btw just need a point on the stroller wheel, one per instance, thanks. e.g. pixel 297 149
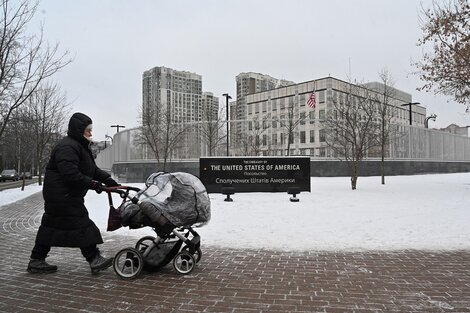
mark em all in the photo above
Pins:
pixel 184 262
pixel 197 254
pixel 143 243
pixel 128 263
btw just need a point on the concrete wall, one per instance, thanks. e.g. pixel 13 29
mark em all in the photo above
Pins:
pixel 137 172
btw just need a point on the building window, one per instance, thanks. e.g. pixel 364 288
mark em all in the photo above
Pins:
pixel 274 139
pixel 321 115
pixel 312 135
pixel 311 116
pixel 302 100
pixel 274 105
pixel 291 102
pixel 321 96
pixel 302 118
pixel 321 134
pixel 302 137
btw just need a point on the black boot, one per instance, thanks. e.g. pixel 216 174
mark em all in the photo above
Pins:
pixel 99 263
pixel 40 266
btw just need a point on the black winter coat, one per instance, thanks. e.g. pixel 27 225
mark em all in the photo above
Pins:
pixel 68 176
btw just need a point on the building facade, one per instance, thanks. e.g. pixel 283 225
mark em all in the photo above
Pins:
pixel 265 109
pixel 456 129
pixel 177 91
pixel 178 95
pixel 210 130
pixel 247 84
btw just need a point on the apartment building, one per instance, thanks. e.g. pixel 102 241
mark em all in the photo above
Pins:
pixel 178 94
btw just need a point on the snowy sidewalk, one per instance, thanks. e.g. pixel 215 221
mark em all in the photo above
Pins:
pixel 231 280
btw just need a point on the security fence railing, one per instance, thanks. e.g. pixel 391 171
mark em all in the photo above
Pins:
pixel 412 143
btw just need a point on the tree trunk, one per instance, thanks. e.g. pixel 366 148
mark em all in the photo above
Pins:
pixel 382 146
pixel 382 165
pixel 40 177
pixel 353 182
pixel 354 174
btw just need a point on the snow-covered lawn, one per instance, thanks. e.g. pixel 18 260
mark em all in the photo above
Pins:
pixel 408 212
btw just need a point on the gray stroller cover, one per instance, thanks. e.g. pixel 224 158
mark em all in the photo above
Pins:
pixel 180 197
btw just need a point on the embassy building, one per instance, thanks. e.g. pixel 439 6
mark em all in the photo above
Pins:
pixel 268 112
pixel 262 103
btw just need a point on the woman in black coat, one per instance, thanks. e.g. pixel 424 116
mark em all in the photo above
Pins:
pixel 70 173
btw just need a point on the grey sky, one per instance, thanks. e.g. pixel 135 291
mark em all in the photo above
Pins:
pixel 114 42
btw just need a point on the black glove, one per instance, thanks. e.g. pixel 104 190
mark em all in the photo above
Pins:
pixel 109 182
pixel 97 186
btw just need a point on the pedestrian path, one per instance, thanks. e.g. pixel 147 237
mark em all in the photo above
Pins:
pixel 228 280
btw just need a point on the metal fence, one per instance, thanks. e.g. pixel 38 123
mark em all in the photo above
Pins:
pixel 413 143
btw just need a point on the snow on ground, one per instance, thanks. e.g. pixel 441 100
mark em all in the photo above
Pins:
pixel 13 195
pixel 409 212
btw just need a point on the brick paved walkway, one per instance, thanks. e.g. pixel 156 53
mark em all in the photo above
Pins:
pixel 230 280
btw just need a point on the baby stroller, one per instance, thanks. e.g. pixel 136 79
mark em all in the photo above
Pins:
pixel 171 204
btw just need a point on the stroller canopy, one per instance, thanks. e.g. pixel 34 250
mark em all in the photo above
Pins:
pixel 180 197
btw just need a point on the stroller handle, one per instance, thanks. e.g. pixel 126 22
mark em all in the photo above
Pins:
pixel 119 189
pixel 123 191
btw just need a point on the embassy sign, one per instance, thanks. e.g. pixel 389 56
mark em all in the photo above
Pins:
pixel 255 174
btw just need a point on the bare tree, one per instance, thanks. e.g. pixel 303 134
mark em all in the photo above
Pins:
pixel 46 111
pixel 161 133
pixel 12 145
pixel 25 61
pixel 446 69
pixel 251 142
pixel 386 112
pixel 290 122
pixel 24 140
pixel 351 128
pixel 212 129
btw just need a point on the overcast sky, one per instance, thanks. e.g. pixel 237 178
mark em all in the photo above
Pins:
pixel 114 41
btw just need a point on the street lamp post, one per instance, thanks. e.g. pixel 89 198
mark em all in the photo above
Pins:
pixel 227 97
pixel 106 137
pixel 431 117
pixel 411 112
pixel 118 126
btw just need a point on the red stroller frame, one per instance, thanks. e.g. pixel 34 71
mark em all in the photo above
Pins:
pixel 180 245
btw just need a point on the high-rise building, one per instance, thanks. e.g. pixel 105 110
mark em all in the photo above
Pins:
pixel 247 84
pixel 210 129
pixel 209 107
pixel 178 91
pixel 177 94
